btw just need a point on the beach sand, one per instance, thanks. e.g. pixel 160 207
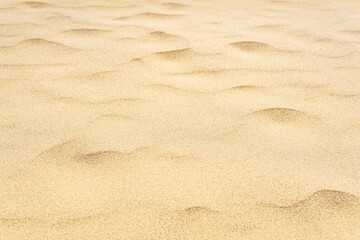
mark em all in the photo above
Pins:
pixel 187 120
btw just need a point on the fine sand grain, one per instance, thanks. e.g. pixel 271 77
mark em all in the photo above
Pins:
pixel 184 120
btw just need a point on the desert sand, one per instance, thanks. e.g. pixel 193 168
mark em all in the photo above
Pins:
pixel 186 120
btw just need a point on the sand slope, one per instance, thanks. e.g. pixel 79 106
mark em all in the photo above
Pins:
pixel 176 120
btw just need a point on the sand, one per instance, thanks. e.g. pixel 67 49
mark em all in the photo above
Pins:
pixel 189 120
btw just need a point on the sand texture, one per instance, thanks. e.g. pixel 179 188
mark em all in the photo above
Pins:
pixel 186 120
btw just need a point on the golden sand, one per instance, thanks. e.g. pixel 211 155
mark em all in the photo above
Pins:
pixel 191 120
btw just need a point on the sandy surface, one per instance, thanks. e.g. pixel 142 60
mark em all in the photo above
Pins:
pixel 191 120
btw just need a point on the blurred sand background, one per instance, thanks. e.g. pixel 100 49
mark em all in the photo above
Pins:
pixel 187 120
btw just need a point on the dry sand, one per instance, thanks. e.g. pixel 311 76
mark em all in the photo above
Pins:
pixel 191 120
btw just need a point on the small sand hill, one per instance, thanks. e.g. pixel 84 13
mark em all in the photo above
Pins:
pixel 43 44
pixel 84 32
pixel 151 16
pixel 177 55
pixel 244 88
pixel 275 54
pixel 272 27
pixel 174 60
pixel 77 153
pixel 175 6
pixel 328 201
pixel 183 61
pixel 283 115
pixel 281 126
pixel 35 5
pixel 250 46
pixel 155 41
pixel 71 148
pixel 317 215
pixel 162 36
pixel 37 51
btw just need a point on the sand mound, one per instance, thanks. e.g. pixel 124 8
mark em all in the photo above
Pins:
pixel 149 16
pixel 85 32
pixel 330 200
pixel 244 88
pixel 63 153
pixel 174 5
pixel 104 9
pixel 197 214
pixel 159 35
pixel 77 152
pixel 35 4
pixel 176 55
pixel 270 27
pixel 198 210
pixel 155 41
pixel 171 89
pixel 282 115
pixel 176 61
pixel 250 46
pixel 99 157
pixel 44 44
pixel 38 53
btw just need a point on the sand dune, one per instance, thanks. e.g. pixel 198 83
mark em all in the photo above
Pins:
pixel 180 120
